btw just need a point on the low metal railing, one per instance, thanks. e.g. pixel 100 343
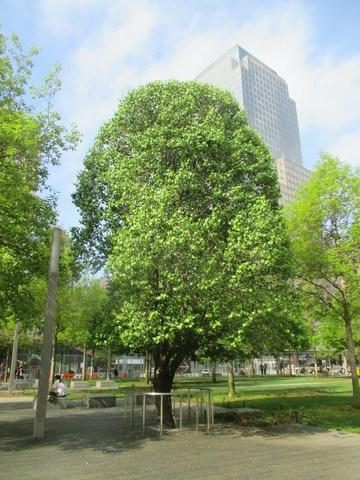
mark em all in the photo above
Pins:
pixel 182 398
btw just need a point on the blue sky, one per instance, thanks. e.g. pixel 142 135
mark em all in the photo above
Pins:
pixel 107 47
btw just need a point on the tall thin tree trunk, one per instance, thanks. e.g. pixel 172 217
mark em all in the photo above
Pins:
pixel 252 368
pixel 147 367
pixel 61 360
pixel 345 363
pixel 277 366
pixel 53 360
pixel 84 364
pixel 213 372
pixel 146 360
pixel 92 363
pixel 6 364
pixel 231 381
pixel 108 364
pixel 316 365
pixel 352 360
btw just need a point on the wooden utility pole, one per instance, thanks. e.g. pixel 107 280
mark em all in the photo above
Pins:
pixel 40 415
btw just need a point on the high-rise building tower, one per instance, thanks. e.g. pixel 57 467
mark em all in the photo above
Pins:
pixel 270 111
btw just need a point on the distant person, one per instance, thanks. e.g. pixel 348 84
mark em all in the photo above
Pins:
pixel 59 389
pixel 261 369
pixel 19 371
pixel 116 372
pixel 264 368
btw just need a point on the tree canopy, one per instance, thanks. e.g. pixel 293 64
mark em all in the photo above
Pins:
pixel 324 224
pixel 179 197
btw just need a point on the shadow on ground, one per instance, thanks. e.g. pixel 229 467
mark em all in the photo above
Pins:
pixel 88 429
pixel 103 431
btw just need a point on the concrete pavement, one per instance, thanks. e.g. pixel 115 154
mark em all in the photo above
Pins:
pixel 83 444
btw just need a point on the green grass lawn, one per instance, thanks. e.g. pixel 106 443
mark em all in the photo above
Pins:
pixel 322 402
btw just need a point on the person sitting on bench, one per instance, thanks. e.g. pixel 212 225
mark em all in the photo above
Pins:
pixel 59 389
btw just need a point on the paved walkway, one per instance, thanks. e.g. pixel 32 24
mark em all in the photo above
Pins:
pixel 93 445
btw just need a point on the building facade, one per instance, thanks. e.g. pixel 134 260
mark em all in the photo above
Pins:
pixel 270 111
pixel 290 176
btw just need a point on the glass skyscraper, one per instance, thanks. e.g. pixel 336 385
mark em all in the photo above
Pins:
pixel 270 111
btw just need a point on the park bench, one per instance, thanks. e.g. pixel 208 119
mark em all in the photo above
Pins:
pixel 105 384
pixel 99 401
pixel 23 385
pixel 19 385
pixel 105 401
pixel 79 385
pixel 136 389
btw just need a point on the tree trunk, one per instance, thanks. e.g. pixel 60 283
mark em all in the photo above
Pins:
pixel 345 363
pixel 352 360
pixel 231 381
pixel 331 367
pixel 108 364
pixel 6 364
pixel 92 363
pixel 147 367
pixel 53 361
pixel 61 360
pixel 164 373
pixel 84 364
pixel 277 366
pixel 162 382
pixel 213 372
pixel 316 365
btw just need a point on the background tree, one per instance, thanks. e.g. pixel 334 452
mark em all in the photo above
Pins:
pixel 324 224
pixel 181 196
pixel 80 308
pixel 31 138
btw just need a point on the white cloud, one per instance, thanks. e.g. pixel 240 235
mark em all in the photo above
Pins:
pixel 62 17
pixel 325 88
pixel 104 64
pixel 113 45
pixel 125 43
pixel 347 148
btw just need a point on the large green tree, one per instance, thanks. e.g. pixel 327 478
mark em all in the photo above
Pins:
pixel 324 225
pixel 181 197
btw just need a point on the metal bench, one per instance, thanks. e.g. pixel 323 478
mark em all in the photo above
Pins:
pixel 99 401
pixel 105 384
pixel 23 385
